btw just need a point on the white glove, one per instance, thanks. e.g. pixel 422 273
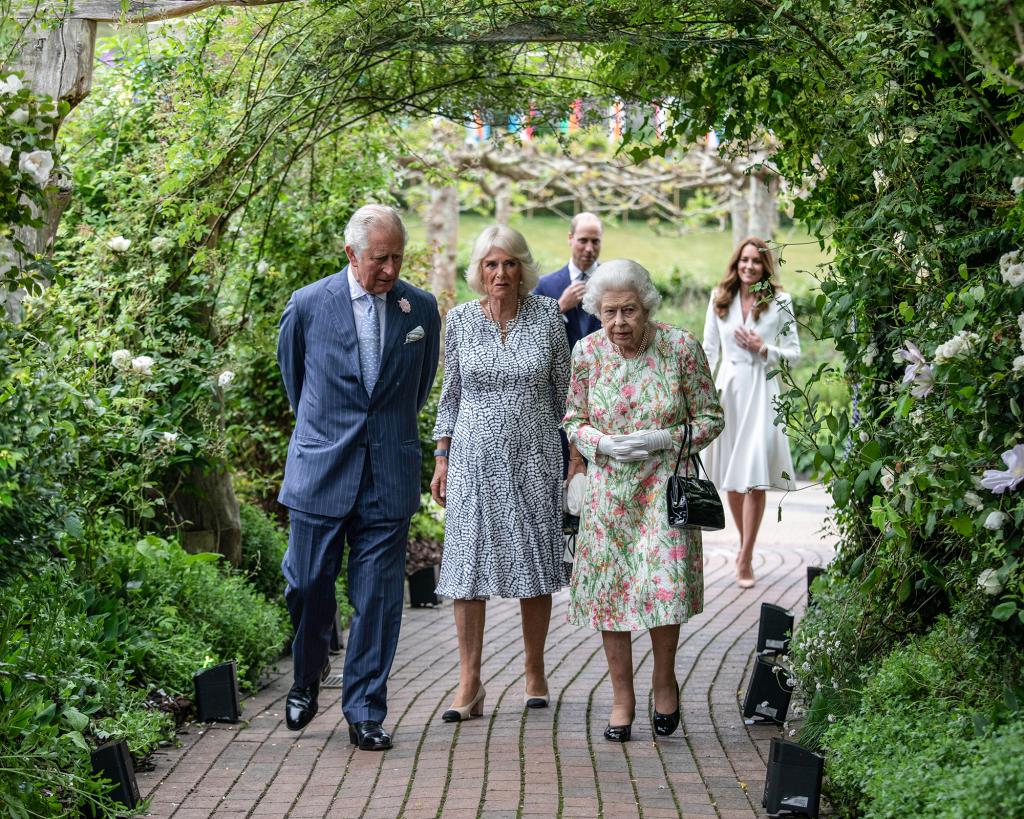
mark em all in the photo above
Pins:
pixel 656 440
pixel 623 447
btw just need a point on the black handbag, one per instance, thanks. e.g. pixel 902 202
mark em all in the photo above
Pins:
pixel 693 502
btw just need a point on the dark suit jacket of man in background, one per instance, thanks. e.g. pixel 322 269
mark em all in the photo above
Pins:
pixel 352 474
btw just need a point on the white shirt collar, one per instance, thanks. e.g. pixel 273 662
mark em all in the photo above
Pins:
pixel 575 274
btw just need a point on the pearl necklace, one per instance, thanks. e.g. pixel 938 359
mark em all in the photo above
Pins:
pixel 644 341
pixel 509 325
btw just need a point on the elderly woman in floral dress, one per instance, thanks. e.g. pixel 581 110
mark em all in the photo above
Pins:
pixel 635 386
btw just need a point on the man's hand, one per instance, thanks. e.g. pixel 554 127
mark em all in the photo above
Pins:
pixel 572 296
pixel 439 483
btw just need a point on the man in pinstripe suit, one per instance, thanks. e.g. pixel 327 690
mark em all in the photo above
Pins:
pixel 358 353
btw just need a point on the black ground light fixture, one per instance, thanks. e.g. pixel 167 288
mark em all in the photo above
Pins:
pixel 774 629
pixel 217 693
pixel 793 780
pixel 112 761
pixel 421 588
pixel 336 642
pixel 768 692
pixel 812 572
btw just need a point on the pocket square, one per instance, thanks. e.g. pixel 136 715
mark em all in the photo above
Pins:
pixel 415 334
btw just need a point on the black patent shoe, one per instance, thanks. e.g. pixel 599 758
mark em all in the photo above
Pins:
pixel 666 724
pixel 368 735
pixel 301 706
pixel 618 733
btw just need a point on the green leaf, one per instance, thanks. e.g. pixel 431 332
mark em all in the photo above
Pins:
pixel 1004 611
pixel 962 524
pixel 872 580
pixel 75 718
pixel 857 566
pixel 841 492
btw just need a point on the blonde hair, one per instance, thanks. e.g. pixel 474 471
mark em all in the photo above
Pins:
pixel 513 243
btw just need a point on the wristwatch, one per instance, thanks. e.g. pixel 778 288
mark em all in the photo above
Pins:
pixel 440 453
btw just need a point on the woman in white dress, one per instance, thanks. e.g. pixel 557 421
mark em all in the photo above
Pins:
pixel 750 326
pixel 498 463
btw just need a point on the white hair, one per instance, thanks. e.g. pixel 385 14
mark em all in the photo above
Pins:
pixel 621 274
pixel 368 218
pixel 513 243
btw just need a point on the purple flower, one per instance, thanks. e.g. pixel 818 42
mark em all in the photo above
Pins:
pixel 999 481
pixel 918 371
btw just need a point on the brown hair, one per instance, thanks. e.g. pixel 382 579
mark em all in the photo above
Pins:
pixel 729 286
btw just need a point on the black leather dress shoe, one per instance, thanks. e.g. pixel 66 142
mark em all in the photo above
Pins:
pixel 369 736
pixel 301 706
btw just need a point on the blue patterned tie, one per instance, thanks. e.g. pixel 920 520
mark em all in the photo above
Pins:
pixel 369 344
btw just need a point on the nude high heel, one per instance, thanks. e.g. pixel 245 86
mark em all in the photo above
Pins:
pixel 474 709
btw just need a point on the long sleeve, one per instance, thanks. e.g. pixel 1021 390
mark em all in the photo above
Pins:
pixel 429 371
pixel 712 340
pixel 705 412
pixel 451 389
pixel 786 343
pixel 291 353
pixel 577 413
pixel 559 364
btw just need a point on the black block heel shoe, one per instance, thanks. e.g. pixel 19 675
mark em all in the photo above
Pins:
pixel 618 733
pixel 666 724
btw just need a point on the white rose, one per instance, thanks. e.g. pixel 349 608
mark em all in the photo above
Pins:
pixel 119 244
pixel 6 152
pixel 120 359
pixel 1017 185
pixel 1018 363
pixel 38 165
pixel 988 582
pixel 12 85
pixel 169 437
pixel 225 378
pixel 143 365
pixel 995 520
pixel 1011 267
pixel 20 116
pixel 888 479
pixel 973 499
pixel 262 267
pixel 960 344
pixel 158 244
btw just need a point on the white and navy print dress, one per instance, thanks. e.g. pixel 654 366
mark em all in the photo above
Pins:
pixel 501 405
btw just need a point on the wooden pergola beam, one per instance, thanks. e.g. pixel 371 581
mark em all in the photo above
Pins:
pixel 133 11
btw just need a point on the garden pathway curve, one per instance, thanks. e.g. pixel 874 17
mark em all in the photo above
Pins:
pixel 516 762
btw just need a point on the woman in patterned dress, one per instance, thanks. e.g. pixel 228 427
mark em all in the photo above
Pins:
pixel 498 469
pixel 636 384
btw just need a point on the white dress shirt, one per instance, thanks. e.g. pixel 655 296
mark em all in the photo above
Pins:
pixel 359 307
pixel 575 274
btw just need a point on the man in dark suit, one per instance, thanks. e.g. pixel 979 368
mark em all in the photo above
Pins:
pixel 358 352
pixel 568 284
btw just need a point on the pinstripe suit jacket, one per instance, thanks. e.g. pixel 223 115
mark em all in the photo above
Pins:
pixel 337 425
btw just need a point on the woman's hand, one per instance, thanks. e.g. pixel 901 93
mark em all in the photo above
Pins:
pixel 439 483
pixel 749 340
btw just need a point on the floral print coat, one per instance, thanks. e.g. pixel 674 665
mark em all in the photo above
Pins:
pixel 632 570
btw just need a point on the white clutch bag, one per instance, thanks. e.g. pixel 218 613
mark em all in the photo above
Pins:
pixel 574 494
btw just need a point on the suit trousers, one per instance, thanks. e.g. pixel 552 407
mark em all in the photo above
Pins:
pixel 376 575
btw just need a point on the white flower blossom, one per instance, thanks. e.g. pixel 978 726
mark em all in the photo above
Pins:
pixel 909 134
pixel 876 139
pixel 973 499
pixel 899 239
pixel 998 480
pixel 962 344
pixel 6 152
pixel 120 359
pixel 864 437
pixel 1017 185
pixel 119 244
pixel 1020 323
pixel 158 244
pixel 1011 268
pixel 917 372
pixel 37 165
pixel 12 85
pixel 870 354
pixel 262 267
pixel 225 378
pixel 1018 363
pixel 831 717
pixel 20 116
pixel 881 180
pixel 169 437
pixel 988 582
pixel 887 479
pixel 995 520
pixel 142 364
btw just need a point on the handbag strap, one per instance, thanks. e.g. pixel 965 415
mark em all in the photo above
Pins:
pixel 694 458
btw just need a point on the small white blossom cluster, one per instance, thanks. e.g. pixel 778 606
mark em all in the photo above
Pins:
pixel 119 244
pixel 1018 362
pixel 1017 185
pixel 1011 268
pixel 962 344
pixel 124 360
pixel 225 378
pixel 821 644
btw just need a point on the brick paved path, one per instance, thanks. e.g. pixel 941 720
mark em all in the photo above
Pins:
pixel 518 762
